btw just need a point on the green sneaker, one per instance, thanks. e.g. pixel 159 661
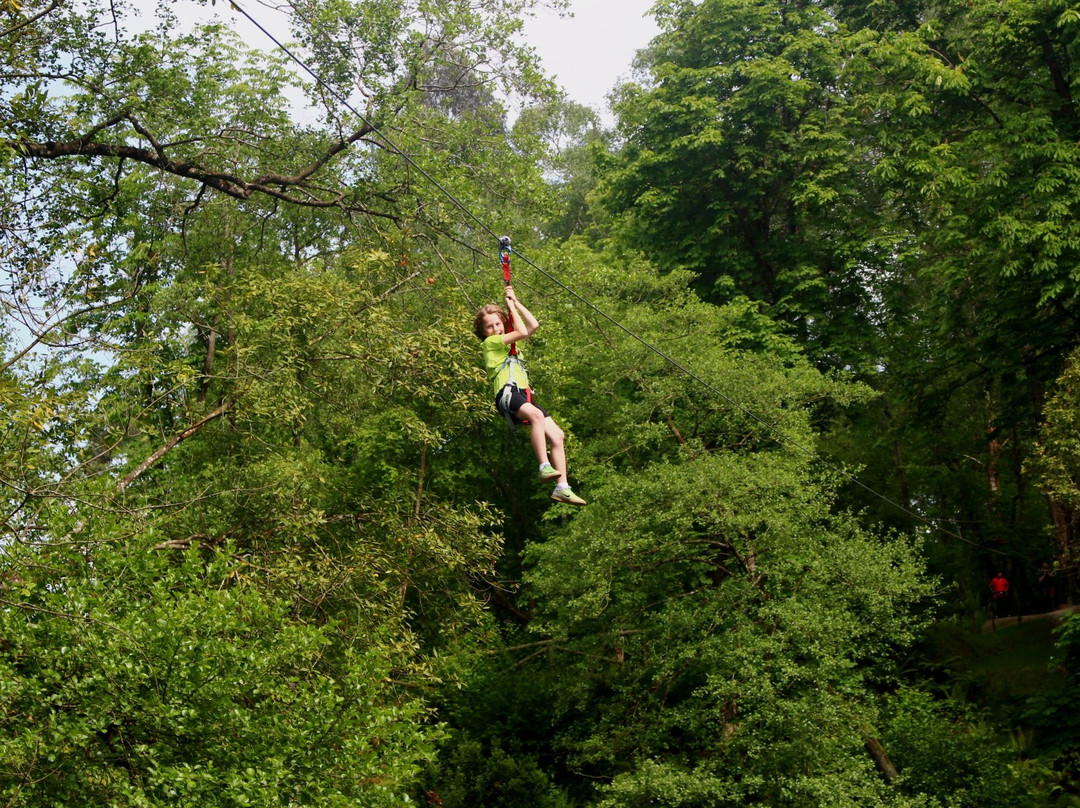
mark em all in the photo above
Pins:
pixel 567 496
pixel 547 472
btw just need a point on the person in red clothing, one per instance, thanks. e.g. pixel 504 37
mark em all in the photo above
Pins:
pixel 999 593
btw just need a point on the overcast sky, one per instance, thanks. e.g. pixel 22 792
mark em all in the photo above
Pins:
pixel 587 53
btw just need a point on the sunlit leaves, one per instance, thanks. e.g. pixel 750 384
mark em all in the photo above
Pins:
pixel 164 679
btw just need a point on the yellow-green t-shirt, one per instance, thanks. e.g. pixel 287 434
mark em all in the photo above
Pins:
pixel 495 353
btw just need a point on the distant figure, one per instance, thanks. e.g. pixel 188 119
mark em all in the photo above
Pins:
pixel 999 595
pixel 1046 589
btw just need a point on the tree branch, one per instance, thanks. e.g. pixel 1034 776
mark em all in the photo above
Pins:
pixel 30 20
pixel 156 456
pixel 279 186
pixel 43 332
pixel 881 758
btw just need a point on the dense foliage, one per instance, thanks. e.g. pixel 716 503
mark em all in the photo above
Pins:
pixel 809 317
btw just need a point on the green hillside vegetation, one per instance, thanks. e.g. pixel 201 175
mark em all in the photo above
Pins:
pixel 1001 669
pixel 808 317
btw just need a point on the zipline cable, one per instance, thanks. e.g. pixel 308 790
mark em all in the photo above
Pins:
pixel 782 436
pixel 345 102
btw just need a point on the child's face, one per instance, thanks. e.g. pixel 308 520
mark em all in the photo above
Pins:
pixel 493 324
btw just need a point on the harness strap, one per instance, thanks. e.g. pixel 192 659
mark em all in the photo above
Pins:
pixel 505 398
pixel 503 405
pixel 513 361
pixel 504 253
pixel 517 370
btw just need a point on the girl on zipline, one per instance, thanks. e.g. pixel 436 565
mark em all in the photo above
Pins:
pixel 512 397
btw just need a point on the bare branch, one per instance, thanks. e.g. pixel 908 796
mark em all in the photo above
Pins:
pixel 292 188
pixel 43 334
pixel 172 442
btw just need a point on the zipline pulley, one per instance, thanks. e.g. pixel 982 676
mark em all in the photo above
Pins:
pixel 504 253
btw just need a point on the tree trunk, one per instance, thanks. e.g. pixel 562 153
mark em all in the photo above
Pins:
pixel 905 494
pixel 1065 539
pixel 881 758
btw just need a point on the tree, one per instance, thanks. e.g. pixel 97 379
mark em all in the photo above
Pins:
pixel 124 91
pixel 1056 462
pixel 571 132
pixel 740 160
pixel 713 627
pixel 890 184
pixel 228 406
pixel 166 679
pixel 971 108
pixel 200 596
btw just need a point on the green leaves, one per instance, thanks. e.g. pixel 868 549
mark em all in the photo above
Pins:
pixel 1056 459
pixel 228 546
pixel 710 629
pixel 712 612
pixel 255 499
pixel 741 158
pixel 164 679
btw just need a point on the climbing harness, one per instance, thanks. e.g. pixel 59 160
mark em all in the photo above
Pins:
pixel 503 402
pixel 512 361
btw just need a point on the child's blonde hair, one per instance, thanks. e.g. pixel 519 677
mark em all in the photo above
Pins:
pixel 490 308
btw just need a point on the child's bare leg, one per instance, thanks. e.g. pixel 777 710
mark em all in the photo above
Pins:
pixel 556 438
pixel 537 430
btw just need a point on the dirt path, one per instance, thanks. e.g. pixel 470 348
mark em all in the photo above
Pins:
pixel 1004 622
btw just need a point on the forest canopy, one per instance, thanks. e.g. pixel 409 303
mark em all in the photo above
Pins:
pixel 808 319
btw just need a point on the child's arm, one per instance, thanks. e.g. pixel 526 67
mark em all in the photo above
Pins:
pixel 521 318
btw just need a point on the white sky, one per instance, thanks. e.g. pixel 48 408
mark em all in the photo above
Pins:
pixel 587 53
pixel 590 52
